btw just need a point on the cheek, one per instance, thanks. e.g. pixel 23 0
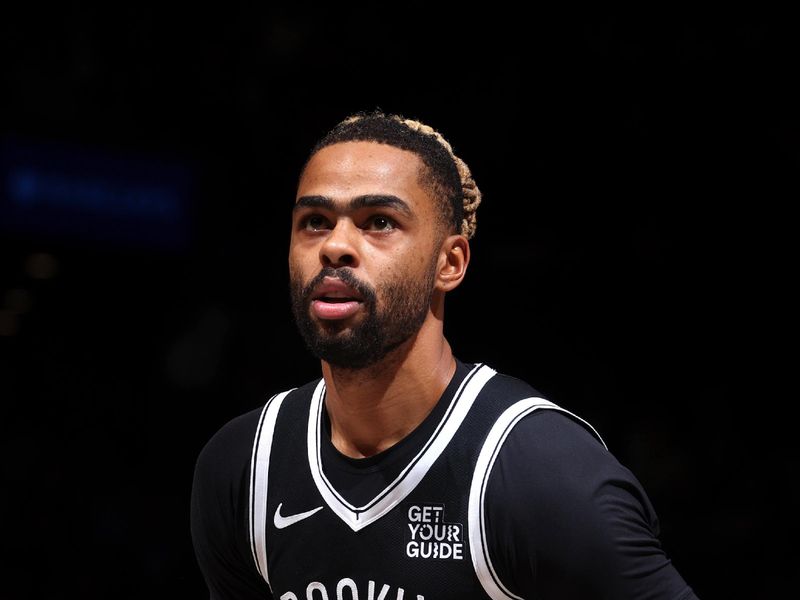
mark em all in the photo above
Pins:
pixel 299 256
pixel 400 277
pixel 296 270
pixel 425 258
pixel 415 262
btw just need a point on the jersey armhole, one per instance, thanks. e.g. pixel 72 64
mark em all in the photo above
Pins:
pixel 259 479
pixel 485 571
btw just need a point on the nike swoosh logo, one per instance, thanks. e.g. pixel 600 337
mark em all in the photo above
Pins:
pixel 281 521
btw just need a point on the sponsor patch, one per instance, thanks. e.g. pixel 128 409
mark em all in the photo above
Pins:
pixel 429 536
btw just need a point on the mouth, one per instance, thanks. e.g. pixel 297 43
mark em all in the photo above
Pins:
pixel 334 300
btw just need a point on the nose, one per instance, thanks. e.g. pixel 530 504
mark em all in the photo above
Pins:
pixel 338 249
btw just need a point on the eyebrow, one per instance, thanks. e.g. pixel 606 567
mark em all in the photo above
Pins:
pixel 363 201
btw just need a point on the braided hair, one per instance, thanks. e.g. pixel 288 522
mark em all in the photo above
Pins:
pixel 446 175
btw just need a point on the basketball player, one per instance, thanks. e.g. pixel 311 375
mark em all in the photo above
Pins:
pixel 403 472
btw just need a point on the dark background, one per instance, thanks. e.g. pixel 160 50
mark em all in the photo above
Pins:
pixel 631 259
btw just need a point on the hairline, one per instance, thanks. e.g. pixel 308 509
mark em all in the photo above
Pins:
pixel 425 178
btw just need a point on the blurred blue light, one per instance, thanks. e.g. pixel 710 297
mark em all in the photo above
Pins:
pixel 59 190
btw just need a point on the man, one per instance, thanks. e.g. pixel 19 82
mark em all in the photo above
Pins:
pixel 403 472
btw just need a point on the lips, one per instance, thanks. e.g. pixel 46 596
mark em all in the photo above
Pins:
pixel 333 300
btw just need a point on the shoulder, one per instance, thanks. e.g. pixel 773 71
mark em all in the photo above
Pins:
pixel 546 453
pixel 562 513
pixel 219 506
pixel 221 474
pixel 223 464
pixel 532 423
pixel 224 460
pixel 218 517
pixel 231 446
pixel 505 385
pixel 232 439
pixel 550 436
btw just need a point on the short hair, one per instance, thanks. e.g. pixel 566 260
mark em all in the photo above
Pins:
pixel 446 176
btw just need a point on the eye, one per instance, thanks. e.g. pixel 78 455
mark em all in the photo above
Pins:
pixel 380 223
pixel 315 222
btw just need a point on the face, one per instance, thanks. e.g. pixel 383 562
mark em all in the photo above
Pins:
pixel 364 252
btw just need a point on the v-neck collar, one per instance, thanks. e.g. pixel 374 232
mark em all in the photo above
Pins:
pixel 358 517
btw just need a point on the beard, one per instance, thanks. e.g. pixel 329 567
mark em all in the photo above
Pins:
pixel 404 307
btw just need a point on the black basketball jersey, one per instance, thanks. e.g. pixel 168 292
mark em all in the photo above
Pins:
pixel 422 536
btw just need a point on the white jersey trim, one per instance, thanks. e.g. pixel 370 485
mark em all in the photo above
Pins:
pixel 477 525
pixel 259 479
pixel 358 517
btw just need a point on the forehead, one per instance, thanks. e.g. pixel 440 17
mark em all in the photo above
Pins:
pixel 348 169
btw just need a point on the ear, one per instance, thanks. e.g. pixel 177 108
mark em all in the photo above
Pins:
pixel 453 261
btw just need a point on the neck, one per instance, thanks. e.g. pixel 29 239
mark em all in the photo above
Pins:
pixel 371 409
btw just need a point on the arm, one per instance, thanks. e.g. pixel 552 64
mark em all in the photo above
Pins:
pixel 566 520
pixel 219 514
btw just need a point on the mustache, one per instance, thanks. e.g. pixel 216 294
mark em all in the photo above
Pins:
pixel 345 275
